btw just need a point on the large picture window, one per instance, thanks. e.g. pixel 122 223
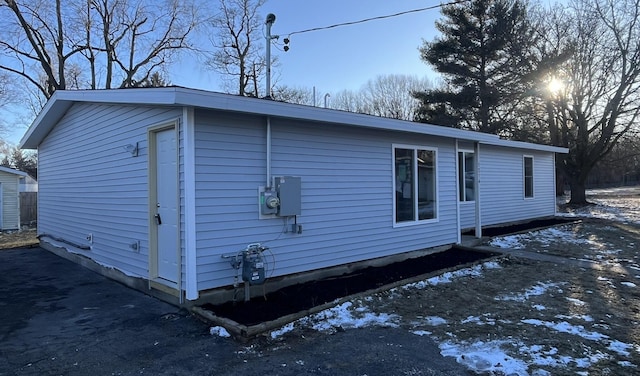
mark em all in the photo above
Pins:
pixel 466 176
pixel 528 176
pixel 415 184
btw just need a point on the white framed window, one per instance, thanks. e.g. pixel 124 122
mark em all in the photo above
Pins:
pixel 466 176
pixel 415 184
pixel 528 176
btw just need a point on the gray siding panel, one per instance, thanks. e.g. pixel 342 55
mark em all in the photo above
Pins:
pixel 467 215
pixel 502 185
pixel 347 192
pixel 88 182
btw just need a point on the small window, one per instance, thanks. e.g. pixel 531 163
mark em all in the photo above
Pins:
pixel 415 184
pixel 528 176
pixel 466 176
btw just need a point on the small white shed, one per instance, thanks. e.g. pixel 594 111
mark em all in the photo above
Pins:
pixel 10 198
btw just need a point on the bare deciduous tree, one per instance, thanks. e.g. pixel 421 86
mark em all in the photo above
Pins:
pixel 140 37
pixel 297 95
pixel 238 40
pixel 34 41
pixel 91 43
pixel 392 95
pixel 348 100
pixel 599 102
pixel 386 95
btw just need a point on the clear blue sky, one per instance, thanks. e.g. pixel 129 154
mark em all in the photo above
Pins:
pixel 335 59
pixel 344 57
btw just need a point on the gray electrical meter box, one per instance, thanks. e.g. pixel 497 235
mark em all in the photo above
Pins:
pixel 289 191
pixel 269 202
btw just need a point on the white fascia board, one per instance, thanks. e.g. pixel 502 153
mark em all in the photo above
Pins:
pixel 62 100
pixel 190 244
pixel 12 171
pixel 527 146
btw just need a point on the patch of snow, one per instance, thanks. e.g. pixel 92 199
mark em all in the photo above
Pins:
pixel 539 307
pixel 586 318
pixel 565 327
pixel 623 208
pixel 620 347
pixel 545 238
pixel 473 319
pixel 434 320
pixel 628 284
pixel 590 359
pixel 485 320
pixel 341 317
pixel 626 363
pixel 547 358
pixel 421 332
pixel 575 301
pixel 285 329
pixel 484 357
pixel 539 289
pixel 219 331
pixel 507 242
pixel 448 277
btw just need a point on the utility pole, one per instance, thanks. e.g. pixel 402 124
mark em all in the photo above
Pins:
pixel 271 18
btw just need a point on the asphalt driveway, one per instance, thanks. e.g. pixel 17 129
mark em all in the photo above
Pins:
pixel 58 318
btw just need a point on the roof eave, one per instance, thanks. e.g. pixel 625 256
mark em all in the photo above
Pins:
pixel 12 171
pixel 61 101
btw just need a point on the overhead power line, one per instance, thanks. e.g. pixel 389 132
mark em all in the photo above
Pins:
pixel 375 18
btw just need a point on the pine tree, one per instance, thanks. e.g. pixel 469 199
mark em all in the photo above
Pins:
pixel 485 61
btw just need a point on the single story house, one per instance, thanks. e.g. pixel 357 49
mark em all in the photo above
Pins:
pixel 10 198
pixel 183 188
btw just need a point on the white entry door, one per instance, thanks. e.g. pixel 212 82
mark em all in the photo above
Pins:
pixel 166 216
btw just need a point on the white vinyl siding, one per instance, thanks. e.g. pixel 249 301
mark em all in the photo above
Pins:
pixel 501 186
pixel 89 183
pixel 10 201
pixel 467 215
pixel 347 194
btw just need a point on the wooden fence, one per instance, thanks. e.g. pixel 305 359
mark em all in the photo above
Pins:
pixel 28 207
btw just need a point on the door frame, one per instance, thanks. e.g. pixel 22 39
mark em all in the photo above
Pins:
pixel 155 281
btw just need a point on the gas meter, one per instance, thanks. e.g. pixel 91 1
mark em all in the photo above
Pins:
pixel 253 265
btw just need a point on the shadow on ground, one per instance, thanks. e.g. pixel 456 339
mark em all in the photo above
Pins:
pixel 58 318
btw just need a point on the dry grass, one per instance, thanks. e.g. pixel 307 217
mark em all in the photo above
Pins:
pixel 18 239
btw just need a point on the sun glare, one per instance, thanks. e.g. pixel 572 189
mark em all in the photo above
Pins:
pixel 555 85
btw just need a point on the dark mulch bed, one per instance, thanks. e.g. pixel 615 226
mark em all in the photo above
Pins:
pixel 519 227
pixel 304 296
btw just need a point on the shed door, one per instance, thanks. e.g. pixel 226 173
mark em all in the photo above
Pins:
pixel 166 210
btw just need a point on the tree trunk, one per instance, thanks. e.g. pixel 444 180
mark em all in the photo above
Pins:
pixel 578 191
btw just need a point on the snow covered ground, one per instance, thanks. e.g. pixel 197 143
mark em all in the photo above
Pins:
pixel 570 321
pixel 618 204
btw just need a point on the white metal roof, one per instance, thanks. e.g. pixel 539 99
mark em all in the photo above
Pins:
pixel 62 100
